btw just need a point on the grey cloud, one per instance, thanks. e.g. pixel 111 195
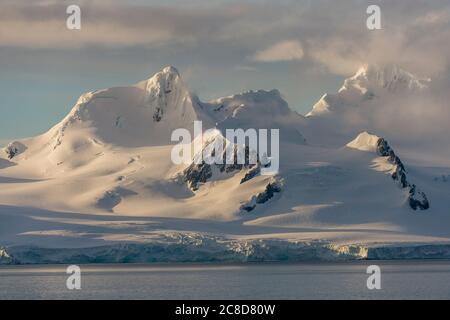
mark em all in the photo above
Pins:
pixel 42 25
pixel 416 34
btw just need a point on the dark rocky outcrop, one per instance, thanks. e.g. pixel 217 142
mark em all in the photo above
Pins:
pixel 253 172
pixel 417 199
pixel 273 187
pixel 268 193
pixel 14 148
pixel 199 173
pixel 157 116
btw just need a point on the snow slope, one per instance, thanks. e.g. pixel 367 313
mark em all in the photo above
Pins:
pixel 100 186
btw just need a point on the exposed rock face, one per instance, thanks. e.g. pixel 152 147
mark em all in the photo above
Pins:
pixel 157 116
pixel 273 187
pixel 383 148
pixel 253 172
pixel 14 148
pixel 199 173
pixel 417 199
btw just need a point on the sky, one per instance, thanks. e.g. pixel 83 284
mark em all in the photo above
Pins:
pixel 304 48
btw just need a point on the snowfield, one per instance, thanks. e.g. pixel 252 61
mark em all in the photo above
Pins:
pixel 100 186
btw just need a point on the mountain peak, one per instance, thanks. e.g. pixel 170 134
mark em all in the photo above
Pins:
pixel 369 82
pixel 170 70
pixel 390 77
pixel 253 105
pixel 365 142
pixel 167 76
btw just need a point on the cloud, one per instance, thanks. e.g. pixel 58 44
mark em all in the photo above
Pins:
pixel 421 50
pixel 282 51
pixel 417 41
pixel 417 120
pixel 336 39
pixel 104 24
pixel 340 56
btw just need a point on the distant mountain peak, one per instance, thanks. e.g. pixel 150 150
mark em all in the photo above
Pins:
pixel 170 70
pixel 365 142
pixel 390 77
pixel 165 73
pixel 370 81
pixel 258 102
pixel 165 81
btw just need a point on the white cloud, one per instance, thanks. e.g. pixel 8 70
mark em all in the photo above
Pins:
pixel 340 56
pixel 282 51
pixel 337 40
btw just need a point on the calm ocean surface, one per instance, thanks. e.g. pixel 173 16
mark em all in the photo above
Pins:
pixel 399 280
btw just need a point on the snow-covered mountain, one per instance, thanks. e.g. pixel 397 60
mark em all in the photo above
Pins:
pixel 140 115
pixel 102 183
pixel 370 82
pixel 259 110
pixel 391 163
pixel 380 99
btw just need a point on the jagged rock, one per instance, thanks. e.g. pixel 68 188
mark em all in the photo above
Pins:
pixel 268 194
pixel 157 116
pixel 383 148
pixel 396 160
pixel 196 174
pixel 417 199
pixel 273 187
pixel 199 173
pixel 400 176
pixel 14 148
pixel 253 172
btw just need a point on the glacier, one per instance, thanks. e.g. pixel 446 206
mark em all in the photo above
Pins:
pixel 195 248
